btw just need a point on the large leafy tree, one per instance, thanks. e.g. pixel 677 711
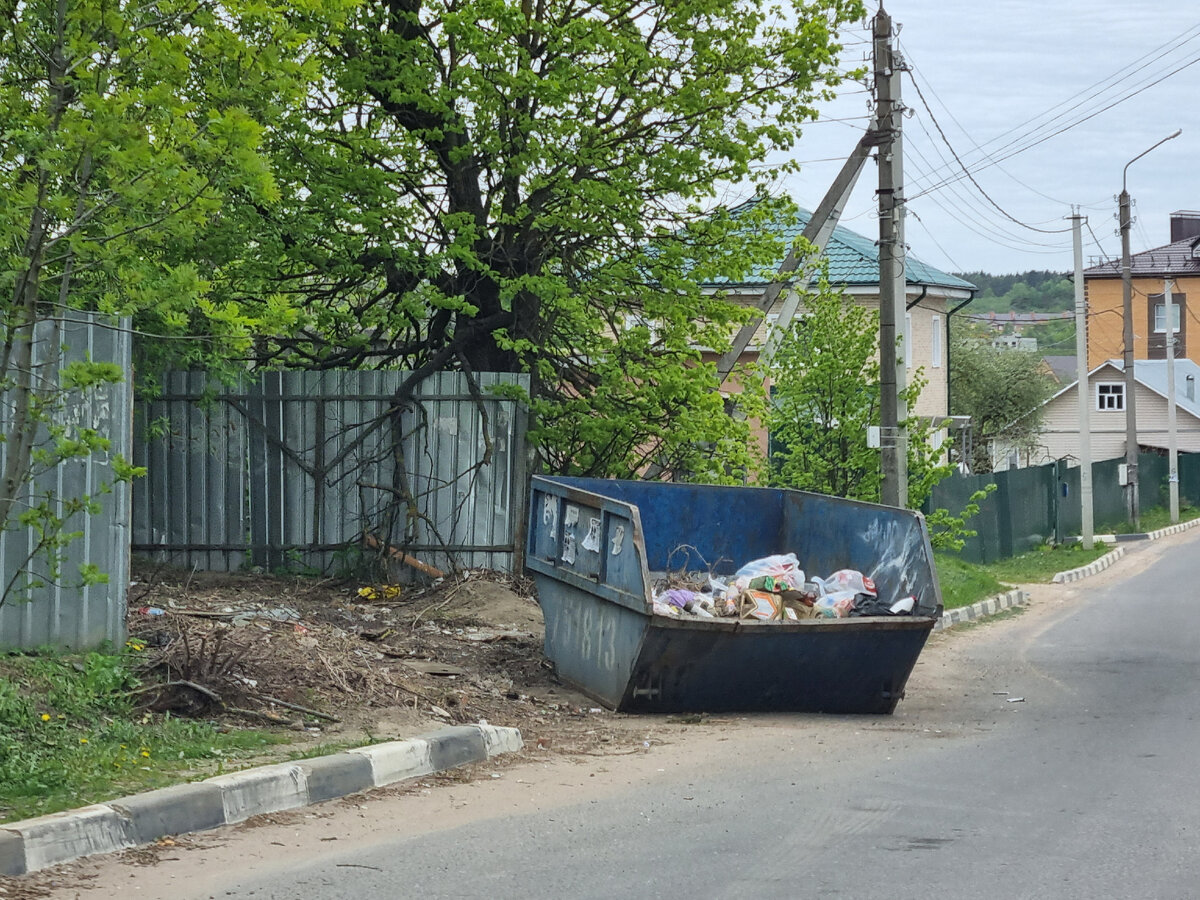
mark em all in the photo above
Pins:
pixel 488 185
pixel 126 126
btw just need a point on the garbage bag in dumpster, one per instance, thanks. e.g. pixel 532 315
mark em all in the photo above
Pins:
pixel 595 548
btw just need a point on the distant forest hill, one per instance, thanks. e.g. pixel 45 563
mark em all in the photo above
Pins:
pixel 1035 291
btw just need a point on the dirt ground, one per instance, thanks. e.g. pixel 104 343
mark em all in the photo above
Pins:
pixel 339 662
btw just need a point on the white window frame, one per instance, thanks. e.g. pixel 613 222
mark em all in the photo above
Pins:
pixel 1160 316
pixel 1115 395
pixel 935 341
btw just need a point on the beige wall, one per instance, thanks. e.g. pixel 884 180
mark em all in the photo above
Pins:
pixel 1106 320
pixel 928 353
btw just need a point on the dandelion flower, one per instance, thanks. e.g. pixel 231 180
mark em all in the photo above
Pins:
pixel 45 717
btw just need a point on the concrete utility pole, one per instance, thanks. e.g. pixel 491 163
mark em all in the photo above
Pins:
pixel 1124 218
pixel 1131 441
pixel 1084 389
pixel 892 281
pixel 1172 448
pixel 820 226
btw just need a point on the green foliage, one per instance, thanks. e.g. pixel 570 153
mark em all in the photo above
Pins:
pixel 1150 519
pixel 1042 563
pixel 826 394
pixel 84 374
pixel 949 532
pixel 1053 338
pixel 127 129
pixel 68 729
pixel 491 186
pixel 1001 390
pixel 963 583
pixel 1034 291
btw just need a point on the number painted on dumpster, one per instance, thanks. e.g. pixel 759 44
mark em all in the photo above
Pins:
pixel 593 634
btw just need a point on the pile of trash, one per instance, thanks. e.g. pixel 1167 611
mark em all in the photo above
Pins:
pixel 775 589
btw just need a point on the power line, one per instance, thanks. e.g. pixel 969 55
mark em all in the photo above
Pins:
pixel 937 243
pixel 1146 59
pixel 1096 241
pixel 996 160
pixel 929 86
pixel 983 211
pixel 967 172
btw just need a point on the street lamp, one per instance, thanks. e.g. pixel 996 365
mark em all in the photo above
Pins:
pixel 1131 441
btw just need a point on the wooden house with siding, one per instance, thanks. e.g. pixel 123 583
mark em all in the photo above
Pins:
pixel 1059 438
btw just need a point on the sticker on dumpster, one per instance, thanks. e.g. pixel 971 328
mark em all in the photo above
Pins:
pixel 550 515
pixel 592 541
pixel 572 516
pixel 568 554
pixel 618 539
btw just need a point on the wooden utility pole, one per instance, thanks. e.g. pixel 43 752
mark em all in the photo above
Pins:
pixel 892 281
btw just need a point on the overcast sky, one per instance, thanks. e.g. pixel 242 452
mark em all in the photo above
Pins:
pixel 996 74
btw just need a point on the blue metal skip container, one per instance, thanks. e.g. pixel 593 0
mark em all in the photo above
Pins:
pixel 596 546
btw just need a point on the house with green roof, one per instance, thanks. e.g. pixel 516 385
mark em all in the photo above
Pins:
pixel 932 297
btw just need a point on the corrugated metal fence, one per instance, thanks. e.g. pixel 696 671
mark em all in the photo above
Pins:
pixel 290 471
pixel 1040 503
pixel 65 613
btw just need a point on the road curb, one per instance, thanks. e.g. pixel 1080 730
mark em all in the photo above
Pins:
pixel 33 844
pixel 1172 529
pixel 1096 565
pixel 988 607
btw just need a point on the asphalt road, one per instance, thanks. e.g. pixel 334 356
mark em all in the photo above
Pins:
pixel 1050 755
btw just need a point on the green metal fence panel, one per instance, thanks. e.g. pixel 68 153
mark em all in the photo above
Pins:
pixel 1108 497
pixel 1153 473
pixel 1018 515
pixel 1189 478
pixel 1033 505
pixel 952 494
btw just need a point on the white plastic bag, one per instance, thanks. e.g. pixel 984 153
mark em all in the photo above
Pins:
pixel 848 580
pixel 783 568
pixel 780 564
pixel 835 605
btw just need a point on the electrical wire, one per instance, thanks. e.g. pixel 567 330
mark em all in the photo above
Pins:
pixel 994 158
pixel 953 263
pixel 914 71
pixel 967 171
pixel 999 232
pixel 1096 241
